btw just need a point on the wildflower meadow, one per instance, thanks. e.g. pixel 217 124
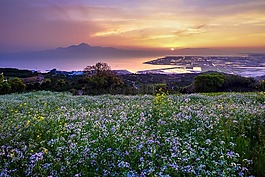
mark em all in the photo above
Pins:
pixel 57 134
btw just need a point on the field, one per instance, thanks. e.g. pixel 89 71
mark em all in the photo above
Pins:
pixel 57 134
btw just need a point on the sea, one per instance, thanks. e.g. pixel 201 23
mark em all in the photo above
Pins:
pixel 130 64
pixel 78 64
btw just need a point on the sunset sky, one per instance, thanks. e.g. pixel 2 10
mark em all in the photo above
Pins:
pixel 134 24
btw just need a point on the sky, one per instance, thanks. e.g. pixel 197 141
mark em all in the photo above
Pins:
pixel 132 24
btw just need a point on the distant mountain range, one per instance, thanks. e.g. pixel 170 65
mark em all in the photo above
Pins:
pixel 78 51
pixel 84 50
pixel 78 56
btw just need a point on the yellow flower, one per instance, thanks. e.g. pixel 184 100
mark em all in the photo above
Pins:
pixel 12 154
pixel 45 151
pixel 28 122
pixel 41 117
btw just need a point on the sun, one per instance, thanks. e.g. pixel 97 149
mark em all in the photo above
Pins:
pixel 172 49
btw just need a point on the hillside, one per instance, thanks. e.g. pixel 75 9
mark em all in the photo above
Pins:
pixel 46 133
pixel 121 82
pixel 14 72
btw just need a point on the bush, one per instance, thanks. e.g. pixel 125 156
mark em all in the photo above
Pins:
pixel 16 85
pixel 238 83
pixel 161 88
pixel 5 88
pixel 209 82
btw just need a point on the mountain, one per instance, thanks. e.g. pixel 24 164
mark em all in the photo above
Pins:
pixel 74 56
pixel 78 56
pixel 84 50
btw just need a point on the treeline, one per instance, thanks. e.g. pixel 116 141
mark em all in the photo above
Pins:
pixel 219 82
pixel 12 85
pixel 99 79
pixel 14 72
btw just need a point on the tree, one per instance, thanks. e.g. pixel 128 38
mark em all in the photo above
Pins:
pixel 102 79
pixel 16 85
pixel 1 78
pixel 61 82
pixel 238 83
pixel 4 86
pixel 99 69
pixel 209 82
pixel 46 84
pixel 262 85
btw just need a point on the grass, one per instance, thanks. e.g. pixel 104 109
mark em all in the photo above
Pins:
pixel 56 134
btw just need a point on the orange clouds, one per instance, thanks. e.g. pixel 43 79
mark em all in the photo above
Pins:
pixel 149 23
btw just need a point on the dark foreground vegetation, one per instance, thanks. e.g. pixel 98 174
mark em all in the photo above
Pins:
pixel 99 79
